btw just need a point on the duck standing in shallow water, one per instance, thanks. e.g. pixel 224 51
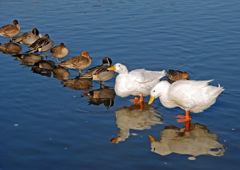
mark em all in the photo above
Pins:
pixel 59 51
pixel 175 75
pixel 28 38
pixel 42 45
pixel 138 82
pixel 189 95
pixel 10 30
pixel 78 62
pixel 101 72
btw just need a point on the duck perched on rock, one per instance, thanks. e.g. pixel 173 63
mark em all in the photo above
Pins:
pixel 10 30
pixel 189 95
pixel 138 82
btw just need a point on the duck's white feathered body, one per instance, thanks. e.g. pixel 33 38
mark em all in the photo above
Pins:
pixel 190 95
pixel 136 82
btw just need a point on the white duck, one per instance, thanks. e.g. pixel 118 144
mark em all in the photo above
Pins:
pixel 138 82
pixel 190 95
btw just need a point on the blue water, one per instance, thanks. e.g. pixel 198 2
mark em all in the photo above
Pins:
pixel 45 125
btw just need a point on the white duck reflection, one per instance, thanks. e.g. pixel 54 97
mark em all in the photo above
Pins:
pixel 103 95
pixel 134 118
pixel 193 139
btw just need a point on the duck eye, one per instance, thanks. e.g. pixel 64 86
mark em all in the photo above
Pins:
pixel 153 90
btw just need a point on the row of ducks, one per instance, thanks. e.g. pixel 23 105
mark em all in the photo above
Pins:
pixel 103 95
pixel 37 43
pixel 190 95
pixel 34 40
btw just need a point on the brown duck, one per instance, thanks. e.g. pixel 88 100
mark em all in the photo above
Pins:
pixel 78 62
pixel 10 30
pixel 59 51
pixel 175 75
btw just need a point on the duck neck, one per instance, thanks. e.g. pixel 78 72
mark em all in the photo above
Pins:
pixel 164 93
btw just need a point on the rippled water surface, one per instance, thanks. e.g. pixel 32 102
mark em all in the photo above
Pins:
pixel 51 123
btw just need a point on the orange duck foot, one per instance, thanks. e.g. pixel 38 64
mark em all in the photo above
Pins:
pixel 135 100
pixel 182 118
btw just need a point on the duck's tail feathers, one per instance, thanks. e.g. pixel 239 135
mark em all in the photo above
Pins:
pixel 216 90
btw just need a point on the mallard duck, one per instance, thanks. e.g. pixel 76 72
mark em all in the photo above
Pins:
pixel 101 72
pixel 190 95
pixel 42 45
pixel 28 38
pixel 59 51
pixel 138 82
pixel 175 75
pixel 10 30
pixel 78 62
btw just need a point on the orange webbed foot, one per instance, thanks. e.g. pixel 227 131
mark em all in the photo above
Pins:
pixel 182 118
pixel 135 100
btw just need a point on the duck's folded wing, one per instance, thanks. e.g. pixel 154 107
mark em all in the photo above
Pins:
pixel 21 37
pixel 40 43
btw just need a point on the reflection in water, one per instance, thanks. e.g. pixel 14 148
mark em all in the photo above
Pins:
pixel 44 67
pixel 134 118
pixel 30 59
pixel 195 141
pixel 78 84
pixel 10 48
pixel 103 95
pixel 60 73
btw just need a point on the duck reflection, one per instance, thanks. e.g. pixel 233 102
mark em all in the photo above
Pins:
pixel 134 118
pixel 10 48
pixel 193 139
pixel 78 84
pixel 29 59
pixel 44 67
pixel 61 73
pixel 103 95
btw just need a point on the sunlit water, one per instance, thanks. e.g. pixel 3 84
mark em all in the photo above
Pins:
pixel 47 123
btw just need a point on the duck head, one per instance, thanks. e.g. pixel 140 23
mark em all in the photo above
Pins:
pixel 107 60
pixel 158 90
pixel 119 68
